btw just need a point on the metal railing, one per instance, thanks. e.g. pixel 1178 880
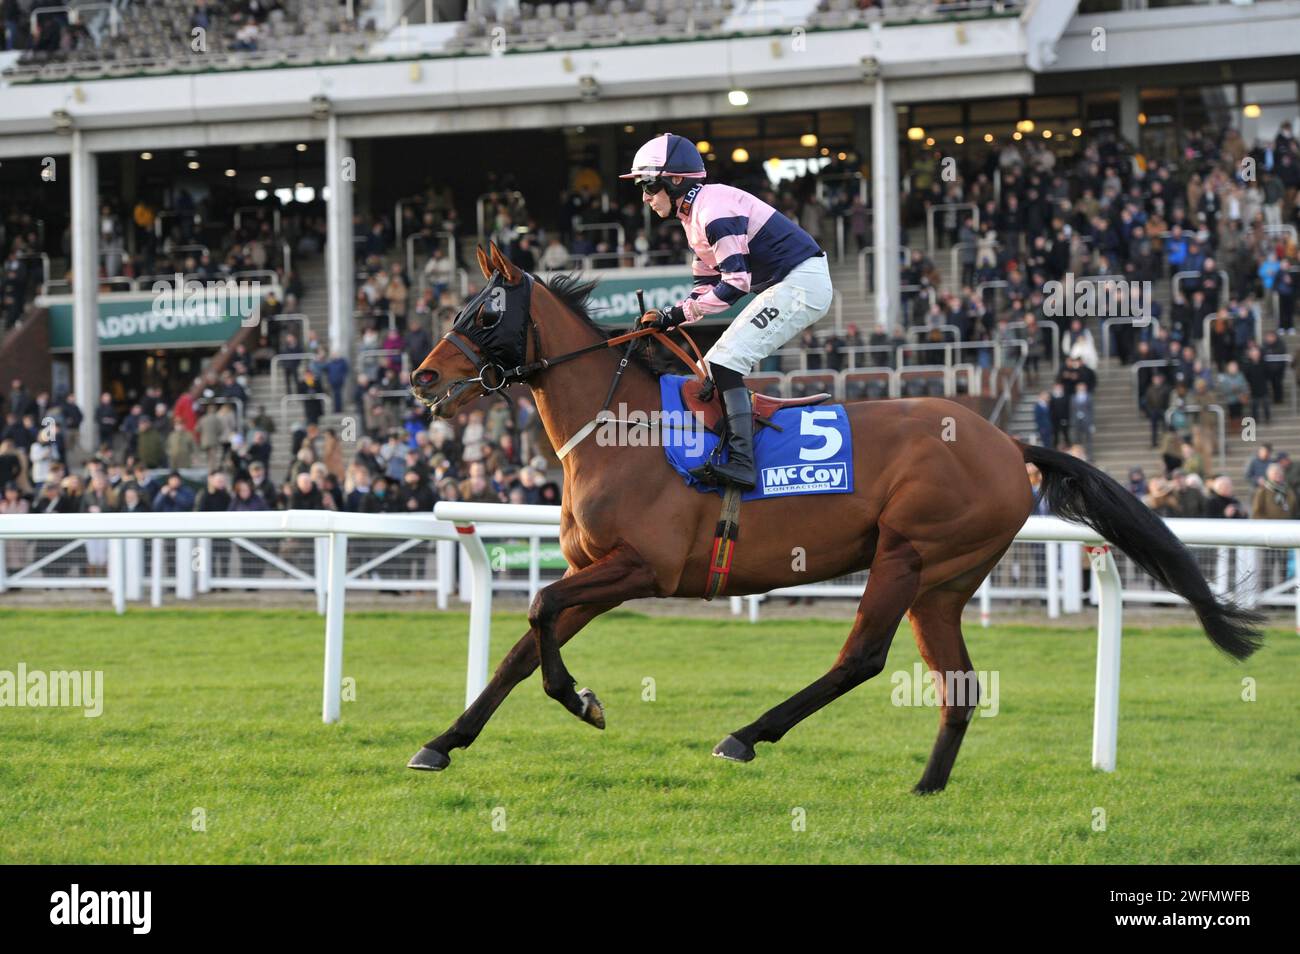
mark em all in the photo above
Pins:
pixel 297 316
pixel 1109 323
pixel 1175 294
pixel 172 214
pixel 994 284
pixel 291 356
pixel 926 329
pixel 943 371
pixel 1284 229
pixel 239 408
pixel 481 210
pixel 1054 348
pixel 904 256
pixel 378 353
pixel 300 398
pixel 1165 365
pixel 45 265
pixel 75 15
pixel 1295 386
pixel 275 216
pixel 605 227
pixel 1205 333
pixel 946 207
pixel 1011 386
pixel 397 213
pixel 974 378
pixel 448 237
pixel 958 248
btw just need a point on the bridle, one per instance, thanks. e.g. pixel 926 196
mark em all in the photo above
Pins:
pixel 485 332
pixel 489 357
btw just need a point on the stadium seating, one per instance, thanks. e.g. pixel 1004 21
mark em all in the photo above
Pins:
pixel 157 37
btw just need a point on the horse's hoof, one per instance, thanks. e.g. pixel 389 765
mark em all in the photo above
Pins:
pixel 925 789
pixel 429 760
pixel 733 750
pixel 592 712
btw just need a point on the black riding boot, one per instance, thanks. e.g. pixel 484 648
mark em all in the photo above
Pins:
pixel 739 441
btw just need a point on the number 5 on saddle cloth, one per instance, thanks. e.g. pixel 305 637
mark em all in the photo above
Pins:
pixel 806 449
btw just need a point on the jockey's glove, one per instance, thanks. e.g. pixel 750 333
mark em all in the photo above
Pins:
pixel 664 318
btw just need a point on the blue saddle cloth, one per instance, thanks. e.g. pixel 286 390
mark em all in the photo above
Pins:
pixel 811 454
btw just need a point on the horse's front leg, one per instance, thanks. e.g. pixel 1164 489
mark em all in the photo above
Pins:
pixel 517 666
pixel 622 574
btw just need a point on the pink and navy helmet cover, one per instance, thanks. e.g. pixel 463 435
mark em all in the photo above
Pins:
pixel 667 155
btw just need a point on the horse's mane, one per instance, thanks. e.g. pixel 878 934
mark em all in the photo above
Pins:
pixel 573 291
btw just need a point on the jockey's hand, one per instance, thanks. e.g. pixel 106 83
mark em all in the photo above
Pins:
pixel 662 319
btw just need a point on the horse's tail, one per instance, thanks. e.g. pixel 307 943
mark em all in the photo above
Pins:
pixel 1078 491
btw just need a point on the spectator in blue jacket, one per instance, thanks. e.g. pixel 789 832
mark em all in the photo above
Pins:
pixel 174 497
pixel 1176 249
pixel 1257 469
pixel 336 373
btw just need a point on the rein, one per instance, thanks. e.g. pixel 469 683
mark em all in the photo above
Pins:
pixel 493 376
pixel 502 376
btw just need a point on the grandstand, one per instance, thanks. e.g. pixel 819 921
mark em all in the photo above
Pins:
pixel 946 141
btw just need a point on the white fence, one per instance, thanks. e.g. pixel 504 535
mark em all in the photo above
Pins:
pixel 341 551
pixel 320 551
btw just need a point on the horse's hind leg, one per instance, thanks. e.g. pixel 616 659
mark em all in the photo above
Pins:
pixel 517 666
pixel 891 587
pixel 936 623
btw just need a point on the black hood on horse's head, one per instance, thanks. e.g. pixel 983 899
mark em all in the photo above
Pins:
pixel 496 320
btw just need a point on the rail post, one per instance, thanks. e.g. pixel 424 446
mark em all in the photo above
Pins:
pixel 1110 621
pixel 480 610
pixel 336 544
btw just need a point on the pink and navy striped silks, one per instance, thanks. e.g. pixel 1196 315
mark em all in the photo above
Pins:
pixel 741 244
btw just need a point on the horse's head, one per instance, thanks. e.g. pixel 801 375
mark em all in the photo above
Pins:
pixel 487 342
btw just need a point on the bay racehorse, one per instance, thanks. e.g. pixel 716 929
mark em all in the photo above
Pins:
pixel 940 494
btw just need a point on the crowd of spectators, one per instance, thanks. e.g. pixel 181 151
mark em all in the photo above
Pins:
pixel 1270 489
pixel 148 459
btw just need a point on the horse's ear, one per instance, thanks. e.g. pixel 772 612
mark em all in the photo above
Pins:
pixel 509 271
pixel 483 265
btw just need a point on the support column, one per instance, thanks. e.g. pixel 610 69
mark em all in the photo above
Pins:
pixel 340 266
pixel 1130 104
pixel 85 287
pixel 885 211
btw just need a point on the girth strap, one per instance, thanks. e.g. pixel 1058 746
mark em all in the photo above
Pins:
pixel 724 542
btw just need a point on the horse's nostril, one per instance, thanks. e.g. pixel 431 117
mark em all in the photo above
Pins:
pixel 425 378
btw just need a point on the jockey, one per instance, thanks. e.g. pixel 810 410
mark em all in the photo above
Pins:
pixel 742 245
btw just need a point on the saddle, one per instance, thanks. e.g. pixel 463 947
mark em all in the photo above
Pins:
pixel 701 398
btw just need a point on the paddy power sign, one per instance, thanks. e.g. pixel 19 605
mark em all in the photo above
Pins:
pixel 613 301
pixel 169 317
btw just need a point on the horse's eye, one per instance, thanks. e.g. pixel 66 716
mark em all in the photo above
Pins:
pixel 488 320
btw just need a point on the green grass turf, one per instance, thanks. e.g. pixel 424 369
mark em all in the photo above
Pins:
pixel 221 711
